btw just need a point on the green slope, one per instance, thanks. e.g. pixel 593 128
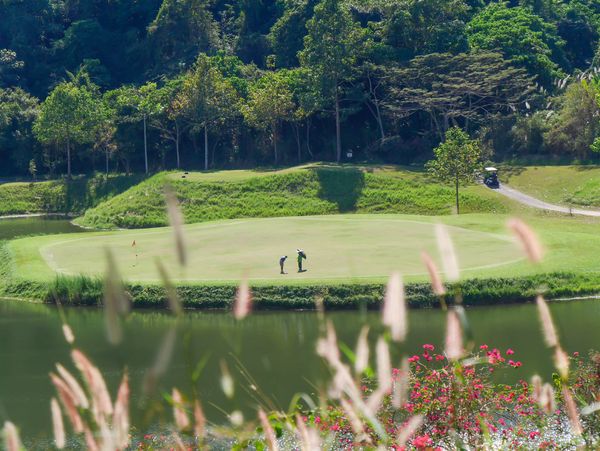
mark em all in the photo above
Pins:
pixel 313 190
pixel 61 196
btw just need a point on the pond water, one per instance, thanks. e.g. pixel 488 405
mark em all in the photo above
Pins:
pixel 275 348
pixel 35 225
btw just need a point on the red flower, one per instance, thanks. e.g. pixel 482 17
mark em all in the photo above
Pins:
pixel 509 351
pixel 483 347
pixel 422 441
pixel 414 358
pixel 428 347
pixel 533 435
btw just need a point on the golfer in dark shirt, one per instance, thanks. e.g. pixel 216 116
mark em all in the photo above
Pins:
pixel 281 263
pixel 301 256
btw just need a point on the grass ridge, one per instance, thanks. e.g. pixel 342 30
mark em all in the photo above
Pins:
pixel 302 192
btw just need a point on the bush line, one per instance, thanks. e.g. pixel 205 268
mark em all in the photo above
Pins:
pixel 86 291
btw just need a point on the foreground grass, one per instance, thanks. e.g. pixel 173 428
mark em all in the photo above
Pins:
pixel 312 190
pixel 61 196
pixel 564 185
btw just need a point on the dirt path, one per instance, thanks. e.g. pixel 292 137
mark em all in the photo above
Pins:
pixel 537 203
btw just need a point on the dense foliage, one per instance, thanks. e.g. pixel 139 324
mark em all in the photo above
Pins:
pixel 190 83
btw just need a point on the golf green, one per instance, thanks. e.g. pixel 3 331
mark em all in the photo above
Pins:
pixel 344 247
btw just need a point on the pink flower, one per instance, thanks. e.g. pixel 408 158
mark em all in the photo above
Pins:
pixel 317 420
pixel 576 354
pixel 509 351
pixel 533 435
pixel 414 358
pixel 428 347
pixel 422 441
pixel 483 347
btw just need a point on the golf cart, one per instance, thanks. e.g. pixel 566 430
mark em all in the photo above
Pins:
pixel 490 178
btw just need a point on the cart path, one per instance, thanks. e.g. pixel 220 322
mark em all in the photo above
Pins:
pixel 537 203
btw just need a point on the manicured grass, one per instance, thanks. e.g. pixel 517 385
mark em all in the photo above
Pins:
pixel 341 249
pixel 311 190
pixel 346 247
pixel 350 258
pixel 564 185
pixel 61 196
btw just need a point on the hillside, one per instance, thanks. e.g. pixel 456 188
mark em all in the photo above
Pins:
pixel 313 190
pixel 565 185
pixel 61 196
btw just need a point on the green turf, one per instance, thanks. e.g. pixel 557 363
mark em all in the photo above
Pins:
pixel 564 185
pixel 342 248
pixel 312 190
pixel 61 196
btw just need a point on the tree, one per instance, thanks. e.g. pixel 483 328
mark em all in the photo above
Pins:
pixel 330 48
pixel 287 34
pixel 416 27
pixel 18 111
pixel 139 105
pixel 468 87
pixel 270 102
pixel 577 122
pixel 522 37
pixel 181 29
pixel 68 116
pixel 207 99
pixel 457 160
pixel 169 114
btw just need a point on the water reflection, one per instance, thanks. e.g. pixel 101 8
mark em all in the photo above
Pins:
pixel 275 348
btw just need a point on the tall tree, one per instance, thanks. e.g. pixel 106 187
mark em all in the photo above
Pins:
pixel 169 114
pixel 18 111
pixel 577 122
pixel 139 105
pixel 468 87
pixel 68 116
pixel 521 36
pixel 457 160
pixel 270 102
pixel 207 99
pixel 417 27
pixel 181 29
pixel 330 49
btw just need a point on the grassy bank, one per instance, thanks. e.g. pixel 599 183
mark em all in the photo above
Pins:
pixel 61 196
pixel 312 190
pixel 86 291
pixel 565 185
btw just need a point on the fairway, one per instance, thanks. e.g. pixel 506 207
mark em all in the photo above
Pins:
pixel 338 247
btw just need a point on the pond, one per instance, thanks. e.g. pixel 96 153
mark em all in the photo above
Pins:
pixel 276 349
pixel 35 225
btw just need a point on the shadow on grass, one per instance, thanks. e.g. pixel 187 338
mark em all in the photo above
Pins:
pixel 342 186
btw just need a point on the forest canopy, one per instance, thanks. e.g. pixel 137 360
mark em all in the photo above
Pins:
pixel 126 85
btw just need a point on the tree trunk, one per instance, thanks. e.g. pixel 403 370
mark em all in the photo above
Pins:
pixel 275 144
pixel 308 138
pixel 297 133
pixel 145 146
pixel 457 205
pixel 177 142
pixel 338 138
pixel 68 158
pixel 379 120
pixel 205 148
